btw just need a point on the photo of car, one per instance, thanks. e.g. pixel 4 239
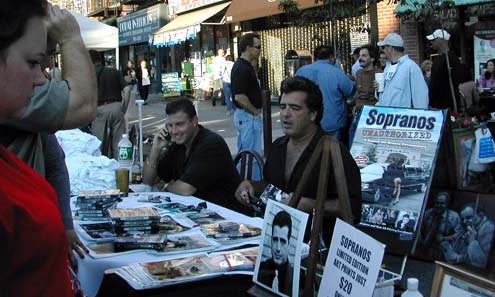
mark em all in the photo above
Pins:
pixel 377 185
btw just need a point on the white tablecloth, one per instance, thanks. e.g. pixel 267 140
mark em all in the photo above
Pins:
pixel 91 270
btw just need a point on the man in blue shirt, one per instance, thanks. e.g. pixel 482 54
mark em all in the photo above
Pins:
pixel 334 86
pixel 404 82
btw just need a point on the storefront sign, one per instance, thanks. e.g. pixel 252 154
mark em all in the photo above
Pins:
pixel 186 5
pixel 484 46
pixel 137 27
pixel 353 263
pixel 171 85
pixel 401 146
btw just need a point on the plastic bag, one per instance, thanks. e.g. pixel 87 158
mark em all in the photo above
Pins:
pixel 485 146
pixel 474 161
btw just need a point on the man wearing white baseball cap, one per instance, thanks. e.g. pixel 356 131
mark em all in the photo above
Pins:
pixel 404 85
pixel 440 92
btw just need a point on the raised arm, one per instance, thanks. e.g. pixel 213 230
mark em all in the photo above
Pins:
pixel 78 69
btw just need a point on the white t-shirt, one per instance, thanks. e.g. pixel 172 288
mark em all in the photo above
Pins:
pixel 146 77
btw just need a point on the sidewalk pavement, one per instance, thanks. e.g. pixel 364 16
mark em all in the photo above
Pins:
pixel 211 117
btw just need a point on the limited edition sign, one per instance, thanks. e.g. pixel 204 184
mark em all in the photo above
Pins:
pixel 353 263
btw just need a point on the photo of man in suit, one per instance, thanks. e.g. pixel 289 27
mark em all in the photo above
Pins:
pixel 277 272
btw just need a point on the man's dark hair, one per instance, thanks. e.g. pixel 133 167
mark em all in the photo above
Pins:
pixel 323 52
pixel 314 98
pixel 181 104
pixel 95 56
pixel 445 194
pixel 14 16
pixel 406 216
pixel 355 52
pixel 247 40
pixel 372 50
pixel 282 219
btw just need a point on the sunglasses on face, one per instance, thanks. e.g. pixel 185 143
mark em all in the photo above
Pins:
pixel 257 46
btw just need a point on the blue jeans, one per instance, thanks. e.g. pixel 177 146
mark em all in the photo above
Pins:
pixel 227 93
pixel 249 130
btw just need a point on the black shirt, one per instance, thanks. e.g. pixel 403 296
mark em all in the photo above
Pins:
pixel 274 174
pixel 439 92
pixel 9 134
pixel 209 168
pixel 244 81
pixel 110 84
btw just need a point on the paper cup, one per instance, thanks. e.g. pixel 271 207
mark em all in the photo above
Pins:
pixel 122 179
pixel 381 81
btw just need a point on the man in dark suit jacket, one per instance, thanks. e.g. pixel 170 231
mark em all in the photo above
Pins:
pixel 277 272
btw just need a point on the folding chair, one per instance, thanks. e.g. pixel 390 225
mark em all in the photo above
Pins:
pixel 245 162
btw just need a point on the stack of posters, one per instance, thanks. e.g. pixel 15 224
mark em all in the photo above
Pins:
pixel 168 225
pixel 204 217
pixel 99 232
pixel 163 273
pixel 174 244
pixel 94 205
pixel 396 151
pixel 172 208
pixel 153 242
pixel 135 220
pixel 227 232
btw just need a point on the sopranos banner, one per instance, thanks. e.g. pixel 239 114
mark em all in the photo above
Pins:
pixel 395 149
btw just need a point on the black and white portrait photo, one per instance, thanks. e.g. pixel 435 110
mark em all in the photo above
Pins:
pixel 278 264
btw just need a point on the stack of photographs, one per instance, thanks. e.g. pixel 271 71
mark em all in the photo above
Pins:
pixel 230 231
pixel 141 220
pixel 170 226
pixel 205 217
pixel 172 208
pixel 163 273
pixel 99 232
pixel 94 205
pixel 152 242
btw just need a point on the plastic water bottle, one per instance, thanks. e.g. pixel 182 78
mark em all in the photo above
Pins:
pixel 125 152
pixel 412 288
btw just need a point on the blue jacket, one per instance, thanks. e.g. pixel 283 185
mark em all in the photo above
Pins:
pixel 406 87
pixel 334 86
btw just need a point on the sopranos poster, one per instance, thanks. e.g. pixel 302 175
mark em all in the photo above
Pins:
pixel 395 149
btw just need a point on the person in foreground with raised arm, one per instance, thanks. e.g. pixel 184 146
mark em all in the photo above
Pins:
pixel 29 212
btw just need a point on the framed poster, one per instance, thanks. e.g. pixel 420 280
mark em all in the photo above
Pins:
pixel 279 258
pixel 396 150
pixel 458 228
pixel 452 280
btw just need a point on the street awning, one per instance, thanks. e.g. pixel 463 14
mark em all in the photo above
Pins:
pixel 185 26
pixel 242 10
pixel 411 5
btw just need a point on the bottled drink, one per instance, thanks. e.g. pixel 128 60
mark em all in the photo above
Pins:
pixel 412 288
pixel 136 177
pixel 125 152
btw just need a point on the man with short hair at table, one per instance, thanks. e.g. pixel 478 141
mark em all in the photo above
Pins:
pixel 277 272
pixel 301 107
pixel 192 159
